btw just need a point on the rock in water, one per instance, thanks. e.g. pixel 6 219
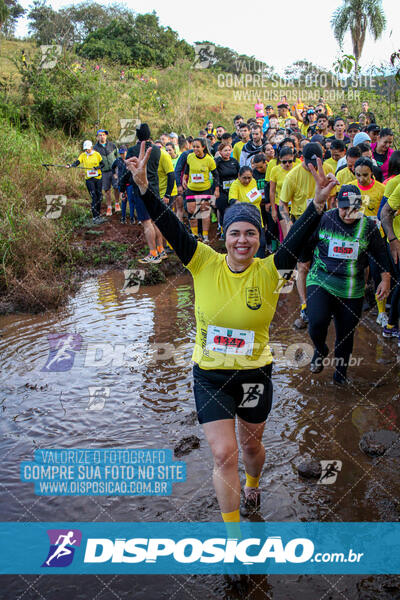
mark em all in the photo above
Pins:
pixel 186 445
pixel 376 443
pixel 310 469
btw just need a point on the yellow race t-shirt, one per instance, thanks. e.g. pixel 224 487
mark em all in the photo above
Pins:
pixel 246 193
pixel 390 185
pixel 344 176
pixel 371 197
pixel 233 310
pixel 278 175
pixel 333 163
pixel 165 166
pixel 237 150
pixel 91 162
pixel 199 172
pixel 298 187
pixel 394 202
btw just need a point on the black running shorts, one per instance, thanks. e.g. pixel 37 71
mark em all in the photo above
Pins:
pixel 222 394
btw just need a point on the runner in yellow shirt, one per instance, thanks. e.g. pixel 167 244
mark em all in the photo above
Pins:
pixel 278 174
pixel 92 161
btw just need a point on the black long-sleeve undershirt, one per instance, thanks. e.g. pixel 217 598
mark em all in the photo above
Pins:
pixel 185 244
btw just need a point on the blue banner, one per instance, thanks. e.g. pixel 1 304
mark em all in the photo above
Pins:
pixel 190 548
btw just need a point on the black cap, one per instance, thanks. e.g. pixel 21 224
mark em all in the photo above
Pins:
pixel 354 126
pixel 349 196
pixel 373 127
pixel 311 152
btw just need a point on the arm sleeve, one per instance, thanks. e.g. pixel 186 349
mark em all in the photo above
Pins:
pixel 179 168
pixel 114 166
pixel 101 164
pixel 288 254
pixel 170 226
pixel 377 248
pixel 170 183
pixel 382 204
pixel 75 163
pixel 215 175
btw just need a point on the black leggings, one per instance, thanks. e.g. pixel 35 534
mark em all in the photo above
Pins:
pixel 94 188
pixel 395 298
pixel 346 313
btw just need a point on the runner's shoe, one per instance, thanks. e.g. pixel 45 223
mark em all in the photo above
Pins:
pixel 99 220
pixel 123 220
pixel 382 319
pixel 251 502
pixel 117 207
pixel 163 255
pixel 131 221
pixel 392 332
pixel 302 321
pixel 109 211
pixel 205 239
pixel 155 260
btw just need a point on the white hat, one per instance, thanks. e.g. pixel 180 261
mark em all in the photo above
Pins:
pixel 87 144
pixel 360 138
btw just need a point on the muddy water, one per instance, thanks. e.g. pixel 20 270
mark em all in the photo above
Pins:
pixel 150 405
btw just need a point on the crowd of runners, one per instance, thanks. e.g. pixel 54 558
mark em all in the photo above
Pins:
pixel 294 191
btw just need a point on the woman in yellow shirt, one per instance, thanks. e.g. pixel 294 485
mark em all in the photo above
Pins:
pixel 244 189
pixel 278 174
pixel 198 185
pixel 92 161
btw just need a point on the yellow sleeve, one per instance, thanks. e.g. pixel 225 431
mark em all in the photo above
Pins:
pixel 237 150
pixel 394 199
pixel 211 163
pixel 200 258
pixel 274 174
pixel 287 191
pixel 271 165
pixel 234 190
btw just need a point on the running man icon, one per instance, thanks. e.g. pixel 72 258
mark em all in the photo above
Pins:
pixel 62 547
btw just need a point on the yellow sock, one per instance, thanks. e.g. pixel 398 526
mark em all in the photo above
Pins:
pixel 252 481
pixel 153 252
pixel 194 230
pixel 232 521
pixel 205 232
pixel 231 517
pixel 304 306
pixel 381 304
pixel 389 326
pixel 160 249
pixel 169 245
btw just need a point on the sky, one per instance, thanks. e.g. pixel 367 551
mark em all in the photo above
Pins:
pixel 279 38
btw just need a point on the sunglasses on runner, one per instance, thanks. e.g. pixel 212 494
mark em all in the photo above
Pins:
pixel 287 162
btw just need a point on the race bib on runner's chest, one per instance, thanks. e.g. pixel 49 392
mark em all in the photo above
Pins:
pixel 227 184
pixel 253 195
pixel 230 341
pixel 342 249
pixel 92 173
pixel 197 177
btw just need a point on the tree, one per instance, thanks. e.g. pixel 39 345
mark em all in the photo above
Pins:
pixel 139 41
pixel 14 12
pixel 4 13
pixel 48 26
pixel 357 16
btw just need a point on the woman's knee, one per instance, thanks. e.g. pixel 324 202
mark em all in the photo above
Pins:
pixel 225 455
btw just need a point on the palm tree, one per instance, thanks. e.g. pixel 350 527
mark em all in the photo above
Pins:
pixel 358 16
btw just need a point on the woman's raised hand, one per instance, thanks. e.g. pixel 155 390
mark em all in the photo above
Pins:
pixel 324 184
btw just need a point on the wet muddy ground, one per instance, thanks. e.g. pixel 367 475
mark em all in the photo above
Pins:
pixel 150 405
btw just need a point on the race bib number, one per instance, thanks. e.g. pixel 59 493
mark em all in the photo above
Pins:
pixel 253 195
pixel 375 220
pixel 92 173
pixel 342 249
pixel 227 184
pixel 230 341
pixel 197 178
